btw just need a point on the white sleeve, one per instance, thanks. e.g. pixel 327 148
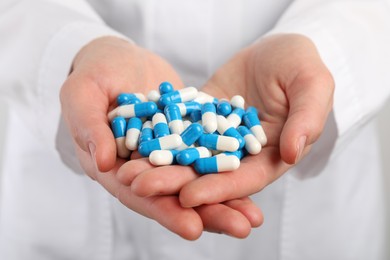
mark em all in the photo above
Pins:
pixel 353 39
pixel 39 40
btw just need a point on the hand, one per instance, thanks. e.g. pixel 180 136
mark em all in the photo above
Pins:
pixel 284 77
pixel 101 70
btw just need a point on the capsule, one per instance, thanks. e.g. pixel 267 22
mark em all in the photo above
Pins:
pixel 144 109
pixel 223 107
pixel 203 97
pixel 146 132
pixel 216 164
pixel 133 132
pixel 160 125
pixel 190 135
pixel 252 145
pixel 190 155
pixel 187 107
pixel 219 142
pixel 224 128
pixel 163 157
pixel 209 117
pixel 179 96
pixel 235 117
pixel 174 118
pixel 252 121
pixel 167 142
pixel 165 87
pixel 237 101
pixel 118 126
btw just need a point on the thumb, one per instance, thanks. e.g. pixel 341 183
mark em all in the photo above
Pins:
pixel 310 99
pixel 84 107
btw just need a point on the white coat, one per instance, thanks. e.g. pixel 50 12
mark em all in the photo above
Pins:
pixel 330 206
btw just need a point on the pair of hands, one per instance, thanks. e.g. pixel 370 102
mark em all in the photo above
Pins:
pixel 282 75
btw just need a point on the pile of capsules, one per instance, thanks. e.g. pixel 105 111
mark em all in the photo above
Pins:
pixel 186 127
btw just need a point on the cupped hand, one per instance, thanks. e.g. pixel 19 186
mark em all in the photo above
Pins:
pixel 284 77
pixel 103 69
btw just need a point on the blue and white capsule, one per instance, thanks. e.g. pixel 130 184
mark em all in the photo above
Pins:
pixel 252 121
pixel 187 107
pixel 190 135
pixel 209 117
pixel 144 109
pixel 118 125
pixel 224 108
pixel 235 117
pixel 174 118
pixel 165 87
pixel 252 145
pixel 146 132
pixel 160 125
pixel 216 164
pixel 224 128
pixel 219 142
pixel 163 157
pixel 134 126
pixel 190 155
pixel 179 96
pixel 168 142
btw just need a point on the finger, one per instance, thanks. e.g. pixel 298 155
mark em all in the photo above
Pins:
pixel 248 209
pixel 310 99
pixel 131 169
pixel 164 180
pixel 219 218
pixel 87 120
pixel 254 173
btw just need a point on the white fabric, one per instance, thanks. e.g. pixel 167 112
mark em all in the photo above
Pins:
pixel 328 207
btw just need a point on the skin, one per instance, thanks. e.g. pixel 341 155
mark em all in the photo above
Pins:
pixel 282 75
pixel 101 70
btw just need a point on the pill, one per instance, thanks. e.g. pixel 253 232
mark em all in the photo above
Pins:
pixel 118 126
pixel 186 124
pixel 203 97
pixel 209 117
pixel 178 96
pixel 252 121
pixel 134 126
pixel 153 95
pixel 127 98
pixel 252 109
pixel 190 155
pixel 252 145
pixel 219 142
pixel 174 118
pixel 167 142
pixel 235 117
pixel 163 157
pixel 165 87
pixel 146 132
pixel 224 128
pixel 216 164
pixel 187 107
pixel 160 125
pixel 190 135
pixel 223 107
pixel 134 110
pixel 237 101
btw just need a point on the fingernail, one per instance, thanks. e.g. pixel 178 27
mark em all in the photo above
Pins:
pixel 300 146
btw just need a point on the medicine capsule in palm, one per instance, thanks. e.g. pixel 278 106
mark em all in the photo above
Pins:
pixel 219 142
pixel 216 164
